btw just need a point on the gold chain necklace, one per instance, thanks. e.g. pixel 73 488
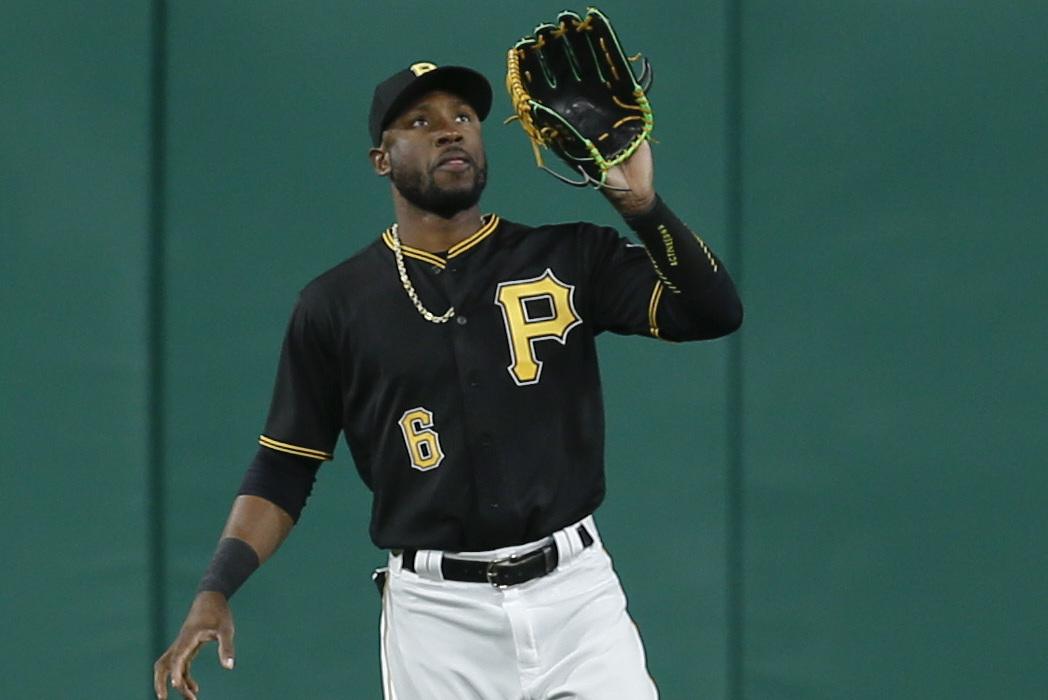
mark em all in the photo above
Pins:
pixel 410 288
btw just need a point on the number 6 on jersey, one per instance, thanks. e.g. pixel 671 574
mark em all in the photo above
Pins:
pixel 422 441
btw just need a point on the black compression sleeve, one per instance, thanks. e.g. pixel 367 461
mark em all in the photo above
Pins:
pixel 233 562
pixel 683 261
pixel 689 270
pixel 280 478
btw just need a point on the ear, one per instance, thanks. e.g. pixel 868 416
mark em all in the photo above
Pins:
pixel 379 160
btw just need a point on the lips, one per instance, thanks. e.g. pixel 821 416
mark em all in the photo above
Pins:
pixel 455 159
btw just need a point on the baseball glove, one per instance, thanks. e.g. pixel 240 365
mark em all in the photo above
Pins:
pixel 574 92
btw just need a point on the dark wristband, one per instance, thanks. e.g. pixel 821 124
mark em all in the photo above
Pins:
pixel 233 562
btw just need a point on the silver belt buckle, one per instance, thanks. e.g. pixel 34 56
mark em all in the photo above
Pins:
pixel 491 574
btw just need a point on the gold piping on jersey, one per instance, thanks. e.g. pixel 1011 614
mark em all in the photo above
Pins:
pixel 483 232
pixel 653 308
pixel 293 449
pixel 459 248
pixel 417 253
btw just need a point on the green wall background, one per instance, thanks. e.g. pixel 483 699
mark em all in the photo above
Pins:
pixel 844 500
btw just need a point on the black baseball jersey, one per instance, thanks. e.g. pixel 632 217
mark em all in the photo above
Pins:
pixel 487 430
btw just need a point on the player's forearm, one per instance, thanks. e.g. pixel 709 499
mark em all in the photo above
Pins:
pixel 261 523
pixel 689 269
pixel 683 261
pixel 254 530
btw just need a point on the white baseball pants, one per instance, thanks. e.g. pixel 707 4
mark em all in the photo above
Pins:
pixel 563 636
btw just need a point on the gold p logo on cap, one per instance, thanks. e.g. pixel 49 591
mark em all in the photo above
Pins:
pixel 421 68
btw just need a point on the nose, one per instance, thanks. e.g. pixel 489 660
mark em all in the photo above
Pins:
pixel 448 135
pixel 446 129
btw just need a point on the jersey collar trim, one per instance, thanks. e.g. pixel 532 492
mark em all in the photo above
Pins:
pixel 490 224
pixel 409 252
pixel 483 232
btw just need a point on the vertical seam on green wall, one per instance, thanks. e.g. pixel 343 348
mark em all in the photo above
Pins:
pixel 156 492
pixel 734 535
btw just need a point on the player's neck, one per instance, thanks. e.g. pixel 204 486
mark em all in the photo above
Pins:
pixel 431 232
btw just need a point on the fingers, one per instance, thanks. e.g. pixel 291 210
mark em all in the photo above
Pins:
pixel 160 678
pixel 175 664
pixel 226 653
pixel 186 686
pixel 182 681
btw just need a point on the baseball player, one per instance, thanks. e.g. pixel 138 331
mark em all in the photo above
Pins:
pixel 457 355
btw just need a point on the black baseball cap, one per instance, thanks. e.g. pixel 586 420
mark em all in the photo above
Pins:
pixel 396 92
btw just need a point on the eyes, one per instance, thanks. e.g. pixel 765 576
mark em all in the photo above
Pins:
pixel 421 121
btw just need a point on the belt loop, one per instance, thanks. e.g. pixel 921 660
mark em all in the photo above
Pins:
pixel 566 547
pixel 591 530
pixel 427 564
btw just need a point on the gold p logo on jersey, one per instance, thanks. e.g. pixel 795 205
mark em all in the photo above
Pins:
pixel 541 308
pixel 422 68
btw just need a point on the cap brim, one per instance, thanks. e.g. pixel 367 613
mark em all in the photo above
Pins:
pixel 465 82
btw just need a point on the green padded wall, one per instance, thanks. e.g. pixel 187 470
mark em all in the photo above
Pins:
pixel 74 206
pixel 894 350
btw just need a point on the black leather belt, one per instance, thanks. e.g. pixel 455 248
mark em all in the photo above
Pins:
pixel 501 572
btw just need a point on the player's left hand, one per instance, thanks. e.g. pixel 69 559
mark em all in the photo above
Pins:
pixel 631 184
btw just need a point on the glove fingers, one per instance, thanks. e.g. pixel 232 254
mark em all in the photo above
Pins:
pixel 545 64
pixel 532 70
pixel 623 84
pixel 577 31
pixel 549 41
pixel 610 56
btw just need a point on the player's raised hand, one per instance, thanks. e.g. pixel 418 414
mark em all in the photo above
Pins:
pixel 631 184
pixel 208 619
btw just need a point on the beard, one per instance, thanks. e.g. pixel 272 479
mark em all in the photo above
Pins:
pixel 421 189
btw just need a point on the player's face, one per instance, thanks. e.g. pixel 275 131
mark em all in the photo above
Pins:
pixel 436 154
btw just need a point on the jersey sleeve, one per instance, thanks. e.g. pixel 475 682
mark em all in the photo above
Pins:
pixel 305 413
pixel 624 286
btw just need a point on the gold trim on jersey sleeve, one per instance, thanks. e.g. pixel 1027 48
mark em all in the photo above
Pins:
pixel 483 232
pixel 417 253
pixel 653 309
pixel 296 450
